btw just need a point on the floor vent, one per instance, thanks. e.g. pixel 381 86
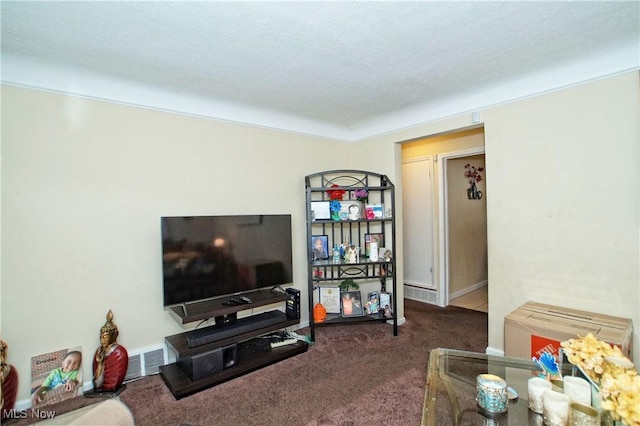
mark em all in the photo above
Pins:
pixel 152 361
pixel 134 370
pixel 144 363
pixel 421 294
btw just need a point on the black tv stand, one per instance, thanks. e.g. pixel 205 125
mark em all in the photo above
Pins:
pixel 277 288
pixel 231 327
pixel 226 319
pixel 229 334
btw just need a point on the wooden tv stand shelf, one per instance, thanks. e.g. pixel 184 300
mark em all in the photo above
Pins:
pixel 243 357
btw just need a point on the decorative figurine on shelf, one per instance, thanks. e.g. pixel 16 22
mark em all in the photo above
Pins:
pixel 343 249
pixel 319 313
pixel 549 366
pixel 8 383
pixel 383 279
pixel 110 361
pixel 350 256
pixel 336 254
pixel 387 256
pixel 373 251
pixel 387 311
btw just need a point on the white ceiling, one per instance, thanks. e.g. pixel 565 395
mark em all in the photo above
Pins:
pixel 342 70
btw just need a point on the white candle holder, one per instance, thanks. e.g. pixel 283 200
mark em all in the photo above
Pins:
pixel 577 389
pixel 537 386
pixel 556 408
pixel 583 415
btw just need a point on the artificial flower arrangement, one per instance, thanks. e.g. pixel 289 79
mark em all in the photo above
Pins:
pixel 615 375
pixel 473 173
pixel 361 195
pixel 335 196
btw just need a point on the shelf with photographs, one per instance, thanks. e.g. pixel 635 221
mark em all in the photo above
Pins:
pixel 351 238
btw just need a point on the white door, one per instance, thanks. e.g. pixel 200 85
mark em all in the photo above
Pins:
pixel 417 207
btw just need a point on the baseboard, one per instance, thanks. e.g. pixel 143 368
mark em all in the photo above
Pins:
pixel 469 289
pixel 493 351
pixel 400 321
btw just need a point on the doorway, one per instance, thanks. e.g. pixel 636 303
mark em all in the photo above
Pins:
pixel 458 271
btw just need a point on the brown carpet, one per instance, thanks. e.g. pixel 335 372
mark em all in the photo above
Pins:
pixel 353 375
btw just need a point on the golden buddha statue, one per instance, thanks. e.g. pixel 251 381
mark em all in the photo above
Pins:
pixel 111 359
pixel 8 383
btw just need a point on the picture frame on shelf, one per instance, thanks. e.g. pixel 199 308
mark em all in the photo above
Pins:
pixel 330 299
pixel 319 247
pixel 369 238
pixel 374 211
pixel 385 254
pixel 320 210
pixel 372 306
pixel 385 300
pixel 351 304
pixel 350 209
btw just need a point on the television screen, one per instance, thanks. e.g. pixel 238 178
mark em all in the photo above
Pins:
pixel 204 257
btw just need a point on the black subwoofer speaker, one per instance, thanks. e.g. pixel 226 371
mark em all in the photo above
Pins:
pixel 210 362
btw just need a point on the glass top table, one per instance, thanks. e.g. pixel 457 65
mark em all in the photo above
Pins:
pixel 451 389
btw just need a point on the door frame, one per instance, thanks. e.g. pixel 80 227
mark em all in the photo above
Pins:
pixel 443 225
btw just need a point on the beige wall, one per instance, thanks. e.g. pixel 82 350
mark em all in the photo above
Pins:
pixel 562 175
pixel 448 142
pixel 84 183
pixel 467 224
pixel 572 237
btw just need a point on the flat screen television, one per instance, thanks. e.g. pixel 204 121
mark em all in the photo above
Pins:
pixel 205 257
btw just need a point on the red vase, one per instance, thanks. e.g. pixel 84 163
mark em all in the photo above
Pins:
pixel 9 391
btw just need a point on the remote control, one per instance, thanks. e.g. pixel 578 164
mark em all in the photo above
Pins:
pixel 245 299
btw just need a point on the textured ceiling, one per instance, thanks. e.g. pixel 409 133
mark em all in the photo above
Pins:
pixel 343 70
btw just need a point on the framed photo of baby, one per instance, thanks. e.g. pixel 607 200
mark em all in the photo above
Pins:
pixel 56 376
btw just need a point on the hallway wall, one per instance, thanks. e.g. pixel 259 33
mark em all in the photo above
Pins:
pixel 467 221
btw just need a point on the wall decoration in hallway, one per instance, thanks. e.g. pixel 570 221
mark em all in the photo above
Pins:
pixel 472 173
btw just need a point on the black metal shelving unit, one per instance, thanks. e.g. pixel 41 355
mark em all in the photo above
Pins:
pixel 329 272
